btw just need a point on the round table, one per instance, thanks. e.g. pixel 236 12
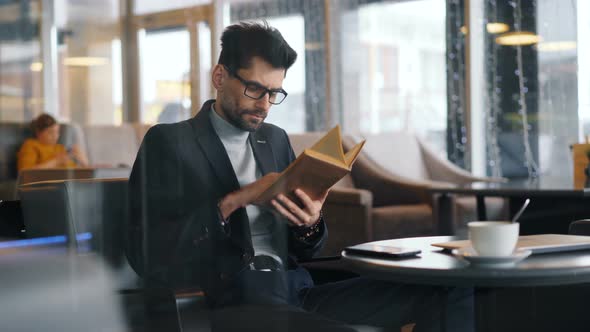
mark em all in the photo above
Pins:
pixel 435 266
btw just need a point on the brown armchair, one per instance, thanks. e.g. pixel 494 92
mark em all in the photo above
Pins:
pixel 401 207
pixel 405 156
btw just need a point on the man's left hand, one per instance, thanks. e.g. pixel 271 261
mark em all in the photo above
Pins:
pixel 305 216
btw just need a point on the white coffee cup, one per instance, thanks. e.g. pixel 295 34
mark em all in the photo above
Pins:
pixel 493 238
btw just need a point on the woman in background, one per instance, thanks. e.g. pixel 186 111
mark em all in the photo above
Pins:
pixel 43 151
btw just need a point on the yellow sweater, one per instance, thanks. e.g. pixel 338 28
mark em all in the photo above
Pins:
pixel 33 153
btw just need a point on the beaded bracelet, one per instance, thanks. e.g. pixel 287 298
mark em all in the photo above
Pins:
pixel 304 233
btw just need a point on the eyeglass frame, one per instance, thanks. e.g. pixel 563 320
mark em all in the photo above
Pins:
pixel 247 83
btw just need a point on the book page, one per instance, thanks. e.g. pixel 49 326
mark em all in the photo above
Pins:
pixel 331 145
pixel 351 155
pixel 312 175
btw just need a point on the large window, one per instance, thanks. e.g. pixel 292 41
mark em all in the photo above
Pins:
pixel 534 67
pixel 164 73
pixel 394 68
pixel 21 80
pixel 290 115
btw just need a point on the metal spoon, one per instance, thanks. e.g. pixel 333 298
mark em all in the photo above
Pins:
pixel 522 208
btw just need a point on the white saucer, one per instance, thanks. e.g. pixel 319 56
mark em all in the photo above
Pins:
pixel 474 259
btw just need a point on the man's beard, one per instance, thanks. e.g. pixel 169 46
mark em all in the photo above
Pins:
pixel 237 120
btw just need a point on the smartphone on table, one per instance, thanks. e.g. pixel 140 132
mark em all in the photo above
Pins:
pixel 383 251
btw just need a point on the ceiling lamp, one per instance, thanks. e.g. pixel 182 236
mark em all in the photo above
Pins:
pixel 557 46
pixel 85 61
pixel 518 38
pixel 497 27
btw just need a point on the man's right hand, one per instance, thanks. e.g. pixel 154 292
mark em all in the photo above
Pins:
pixel 245 195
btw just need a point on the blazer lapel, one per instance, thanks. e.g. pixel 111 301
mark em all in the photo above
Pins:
pixel 263 152
pixel 213 148
pixel 215 152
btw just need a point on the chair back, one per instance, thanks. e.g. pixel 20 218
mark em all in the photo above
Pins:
pixel 398 153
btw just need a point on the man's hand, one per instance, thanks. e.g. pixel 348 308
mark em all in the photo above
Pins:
pixel 245 195
pixel 297 216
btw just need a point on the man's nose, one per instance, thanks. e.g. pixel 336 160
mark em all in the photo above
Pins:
pixel 264 103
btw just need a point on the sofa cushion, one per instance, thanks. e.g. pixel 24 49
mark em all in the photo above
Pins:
pixel 398 152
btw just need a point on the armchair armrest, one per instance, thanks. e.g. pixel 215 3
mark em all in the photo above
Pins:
pixel 348 213
pixel 350 196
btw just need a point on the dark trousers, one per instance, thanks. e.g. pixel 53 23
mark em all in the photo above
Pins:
pixel 357 301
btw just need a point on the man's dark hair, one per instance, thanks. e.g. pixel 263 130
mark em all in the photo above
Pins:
pixel 243 41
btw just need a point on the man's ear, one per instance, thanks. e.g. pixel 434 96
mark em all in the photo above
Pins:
pixel 218 76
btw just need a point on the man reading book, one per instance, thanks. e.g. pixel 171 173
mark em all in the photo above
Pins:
pixel 193 222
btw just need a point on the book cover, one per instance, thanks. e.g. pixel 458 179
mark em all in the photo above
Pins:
pixel 315 170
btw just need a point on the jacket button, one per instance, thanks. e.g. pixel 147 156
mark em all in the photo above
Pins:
pixel 223 276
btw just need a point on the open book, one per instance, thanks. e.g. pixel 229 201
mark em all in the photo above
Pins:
pixel 316 169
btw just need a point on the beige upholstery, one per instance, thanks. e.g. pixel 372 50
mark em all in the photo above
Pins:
pixel 403 154
pixel 111 145
pixel 401 207
pixel 140 130
pixel 386 149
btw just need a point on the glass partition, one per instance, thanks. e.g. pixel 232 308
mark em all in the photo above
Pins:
pixel 21 76
pixel 164 73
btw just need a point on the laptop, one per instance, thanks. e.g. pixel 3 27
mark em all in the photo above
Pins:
pixel 538 244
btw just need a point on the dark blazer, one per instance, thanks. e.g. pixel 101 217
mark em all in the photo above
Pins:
pixel 175 238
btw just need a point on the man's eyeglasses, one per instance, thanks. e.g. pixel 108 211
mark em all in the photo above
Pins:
pixel 256 91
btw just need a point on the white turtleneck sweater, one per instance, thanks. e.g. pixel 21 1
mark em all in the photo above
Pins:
pixel 237 146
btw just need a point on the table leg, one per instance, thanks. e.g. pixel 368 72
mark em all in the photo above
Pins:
pixel 444 214
pixel 485 309
pixel 481 207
